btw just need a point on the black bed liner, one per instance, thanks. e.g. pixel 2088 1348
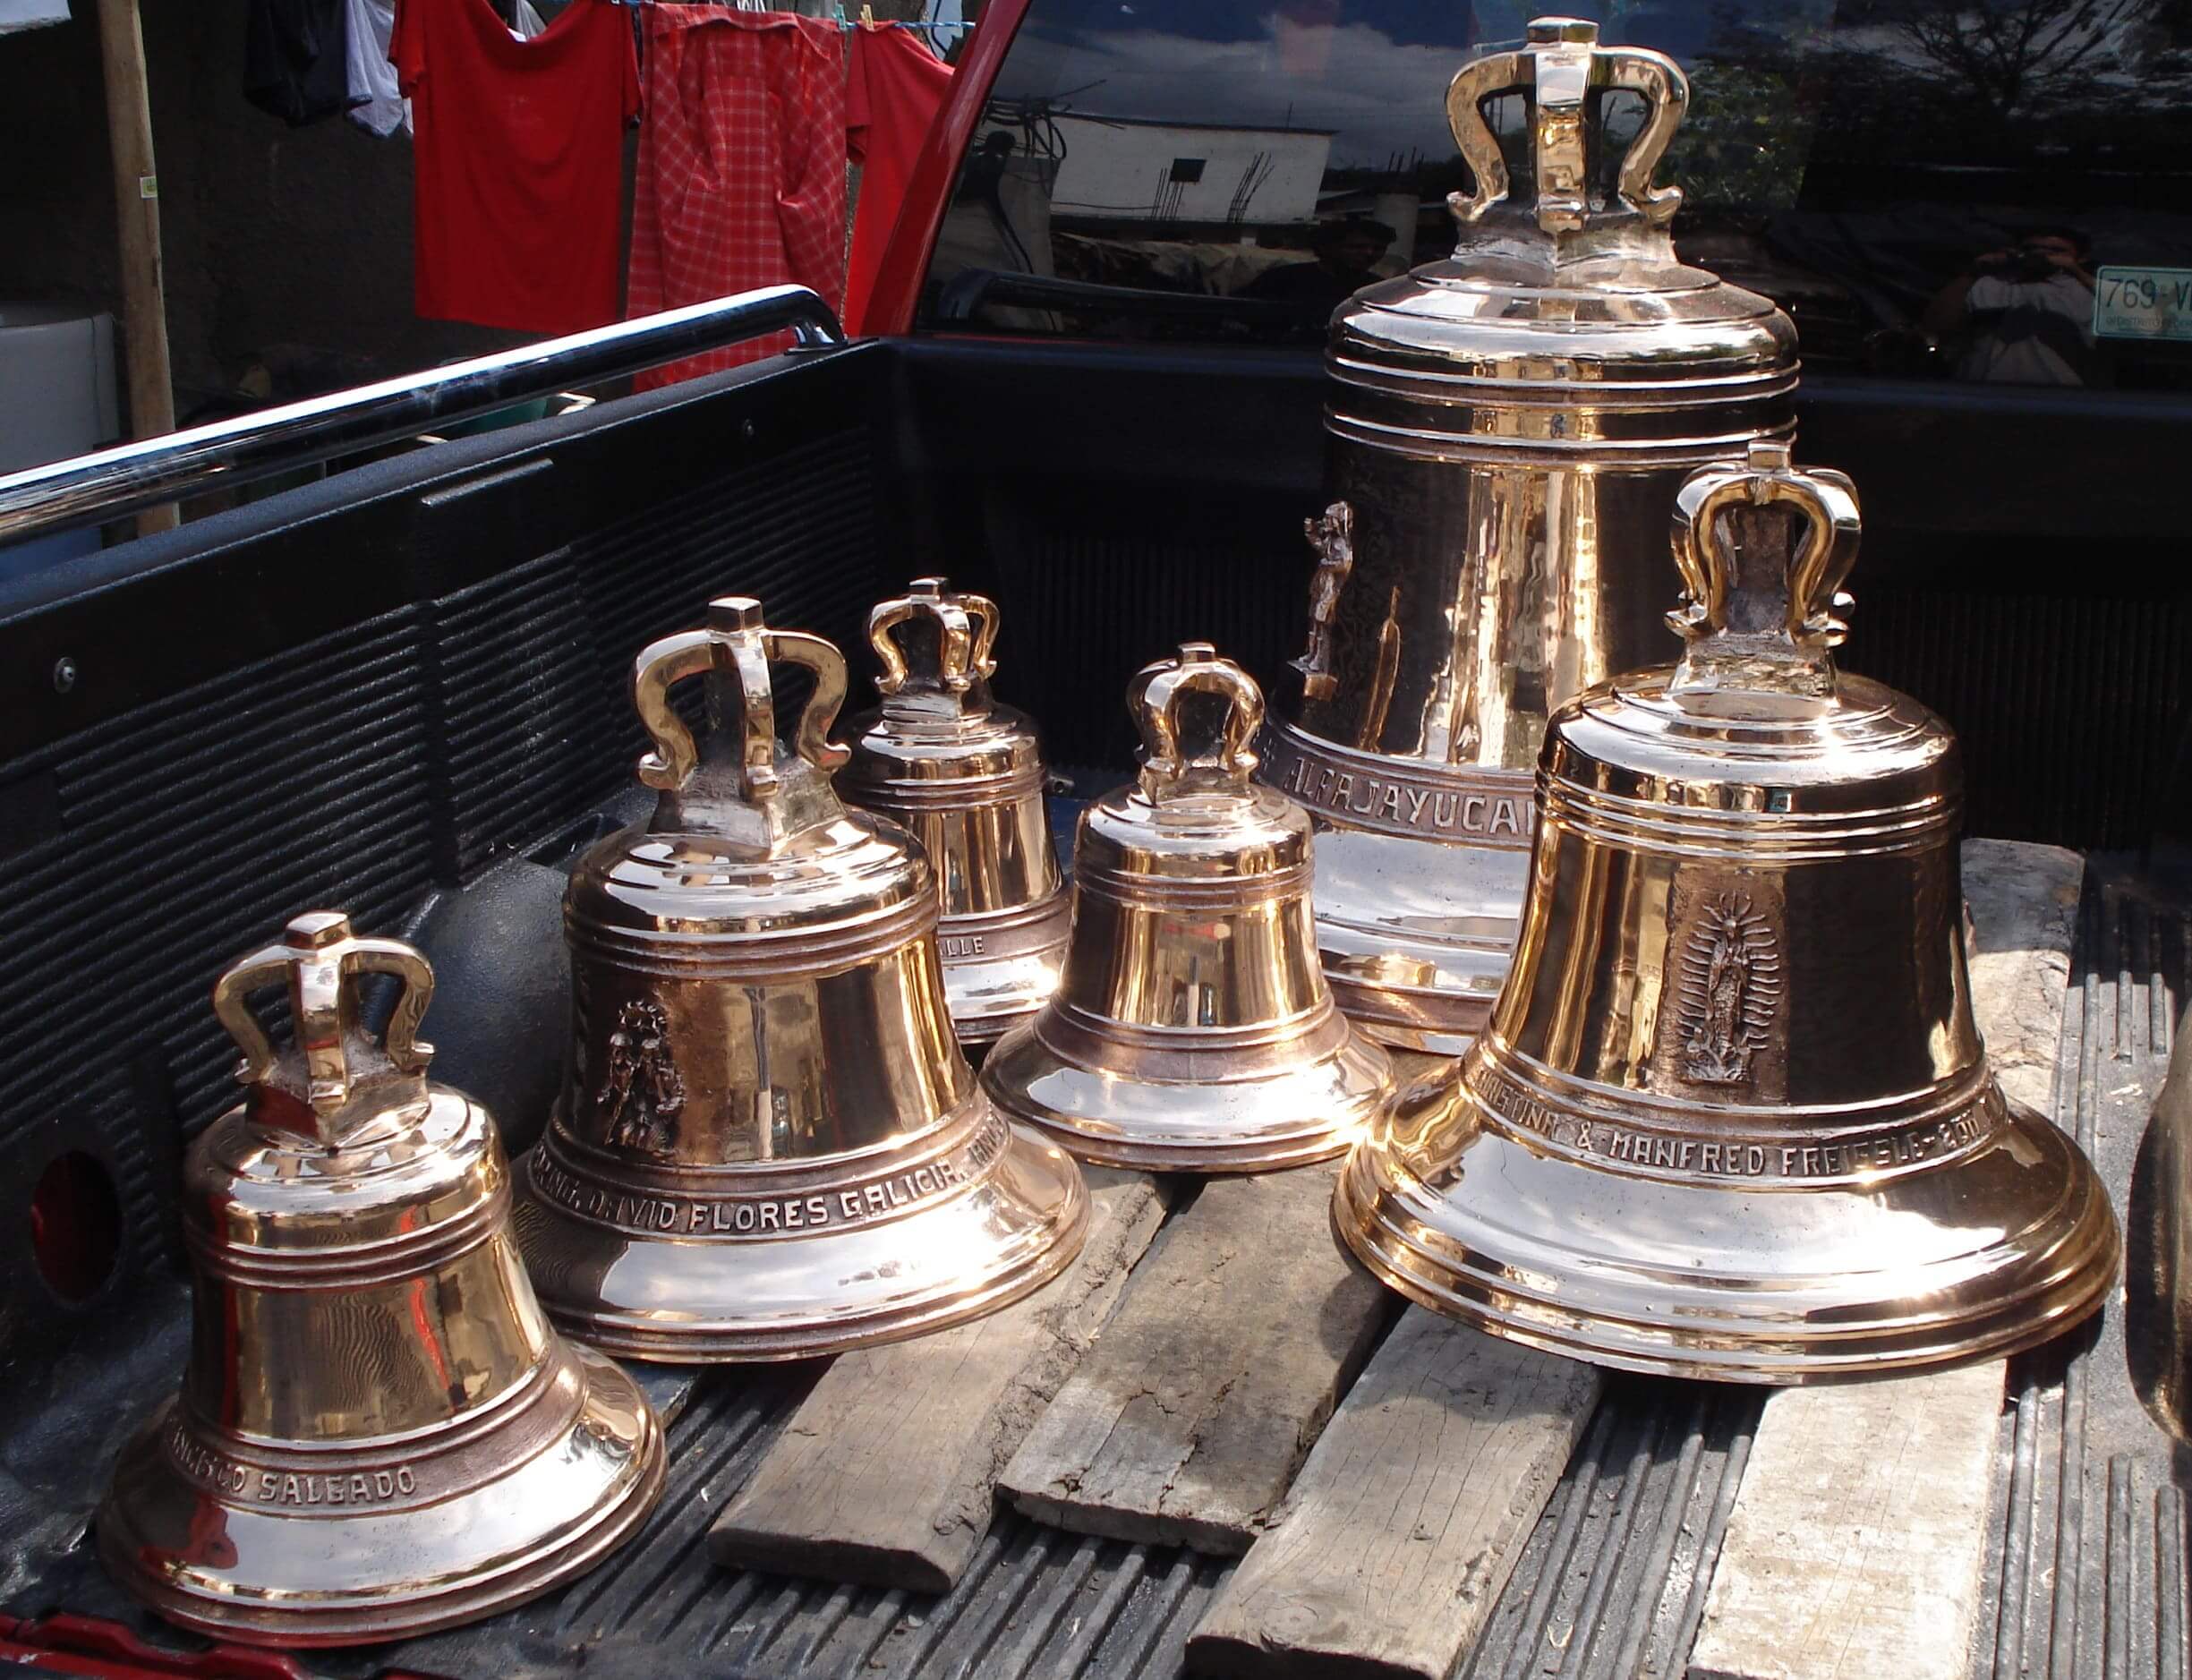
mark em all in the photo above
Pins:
pixel 2084 1572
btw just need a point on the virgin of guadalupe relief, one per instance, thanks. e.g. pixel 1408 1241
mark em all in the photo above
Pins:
pixel 641 1092
pixel 1729 992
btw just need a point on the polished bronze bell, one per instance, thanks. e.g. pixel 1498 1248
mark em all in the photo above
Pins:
pixel 768 1144
pixel 1732 1117
pixel 1505 432
pixel 1192 1030
pixel 378 1433
pixel 965 775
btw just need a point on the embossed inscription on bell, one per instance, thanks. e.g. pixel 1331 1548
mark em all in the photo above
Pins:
pixel 1732 1117
pixel 965 775
pixel 1506 431
pixel 768 1144
pixel 378 1433
pixel 1193 1030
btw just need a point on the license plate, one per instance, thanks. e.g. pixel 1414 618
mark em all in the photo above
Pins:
pixel 2143 303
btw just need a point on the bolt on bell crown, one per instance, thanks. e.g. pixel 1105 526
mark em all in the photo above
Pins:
pixel 1732 1117
pixel 377 1432
pixel 1192 1029
pixel 768 1144
pixel 965 775
pixel 1506 430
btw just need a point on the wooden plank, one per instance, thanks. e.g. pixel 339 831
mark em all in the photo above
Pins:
pixel 1393 1546
pixel 884 1475
pixel 2024 914
pixel 137 211
pixel 1861 1556
pixel 1237 1337
pixel 1854 1547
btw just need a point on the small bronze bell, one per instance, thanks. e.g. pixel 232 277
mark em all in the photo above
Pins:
pixel 378 1433
pixel 768 1144
pixel 965 775
pixel 1193 1030
pixel 1505 430
pixel 1732 1118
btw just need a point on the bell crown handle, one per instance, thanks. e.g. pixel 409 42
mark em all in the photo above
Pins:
pixel 966 632
pixel 735 651
pixel 1563 64
pixel 336 1060
pixel 1154 700
pixel 1763 620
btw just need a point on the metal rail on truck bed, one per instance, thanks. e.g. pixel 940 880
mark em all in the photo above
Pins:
pixel 91 489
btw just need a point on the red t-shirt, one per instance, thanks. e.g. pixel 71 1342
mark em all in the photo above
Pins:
pixel 894 89
pixel 518 150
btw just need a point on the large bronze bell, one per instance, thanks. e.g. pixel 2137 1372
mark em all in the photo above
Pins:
pixel 1192 1030
pixel 1507 429
pixel 378 1433
pixel 965 775
pixel 1732 1117
pixel 768 1144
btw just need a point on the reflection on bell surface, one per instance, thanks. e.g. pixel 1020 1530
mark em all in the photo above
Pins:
pixel 1507 429
pixel 1192 1030
pixel 768 1144
pixel 965 775
pixel 379 1433
pixel 1731 1117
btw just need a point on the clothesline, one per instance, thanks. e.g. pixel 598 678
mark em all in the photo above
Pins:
pixel 865 20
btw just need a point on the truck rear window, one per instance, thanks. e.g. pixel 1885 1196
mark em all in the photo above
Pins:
pixel 1995 190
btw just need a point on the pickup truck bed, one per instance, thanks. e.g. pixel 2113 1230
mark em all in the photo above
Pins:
pixel 402 691
pixel 2086 1564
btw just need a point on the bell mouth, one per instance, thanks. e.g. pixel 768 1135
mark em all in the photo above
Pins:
pixel 1995 1250
pixel 738 1265
pixel 1185 1101
pixel 239 1542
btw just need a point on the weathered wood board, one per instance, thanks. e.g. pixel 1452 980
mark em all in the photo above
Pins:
pixel 1238 1334
pixel 1860 1563
pixel 1856 1545
pixel 884 1475
pixel 1392 1547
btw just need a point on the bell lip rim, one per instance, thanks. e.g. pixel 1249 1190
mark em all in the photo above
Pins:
pixel 1217 1151
pixel 2004 1326
pixel 1242 1161
pixel 2026 1334
pixel 627 1337
pixel 548 1563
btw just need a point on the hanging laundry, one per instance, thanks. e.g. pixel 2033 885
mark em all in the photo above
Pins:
pixel 377 102
pixel 296 58
pixel 893 89
pixel 519 161
pixel 741 173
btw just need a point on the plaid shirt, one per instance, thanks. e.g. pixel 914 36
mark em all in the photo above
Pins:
pixel 741 173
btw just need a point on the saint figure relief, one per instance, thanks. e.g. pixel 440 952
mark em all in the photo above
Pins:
pixel 1730 990
pixel 1332 534
pixel 641 1092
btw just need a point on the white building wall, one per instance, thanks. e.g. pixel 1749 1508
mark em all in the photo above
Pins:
pixel 1124 170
